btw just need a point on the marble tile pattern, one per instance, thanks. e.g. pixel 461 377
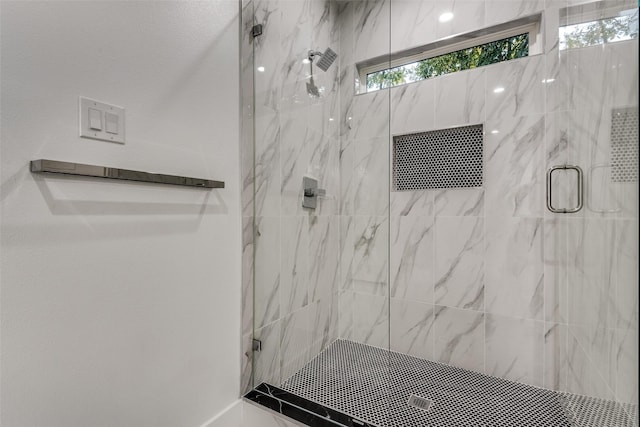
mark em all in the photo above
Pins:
pixel 487 278
pixel 483 278
pixel 291 254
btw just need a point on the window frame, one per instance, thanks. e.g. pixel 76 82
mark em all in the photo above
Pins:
pixel 531 25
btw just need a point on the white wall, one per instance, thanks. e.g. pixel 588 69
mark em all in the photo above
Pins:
pixel 120 301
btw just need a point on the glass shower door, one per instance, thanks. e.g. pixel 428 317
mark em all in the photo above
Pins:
pixel 593 124
pixel 320 278
pixel 409 307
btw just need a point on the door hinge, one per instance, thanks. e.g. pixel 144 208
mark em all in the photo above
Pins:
pixel 257 345
pixel 256 30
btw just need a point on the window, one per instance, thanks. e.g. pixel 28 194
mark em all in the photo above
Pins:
pixel 597 26
pixel 488 46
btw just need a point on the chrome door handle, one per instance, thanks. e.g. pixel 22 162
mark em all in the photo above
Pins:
pixel 580 189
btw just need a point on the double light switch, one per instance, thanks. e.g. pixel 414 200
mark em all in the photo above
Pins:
pixel 101 121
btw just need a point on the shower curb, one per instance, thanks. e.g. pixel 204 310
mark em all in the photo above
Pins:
pixel 300 409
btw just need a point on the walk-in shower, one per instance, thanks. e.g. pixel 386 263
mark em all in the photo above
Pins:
pixel 475 259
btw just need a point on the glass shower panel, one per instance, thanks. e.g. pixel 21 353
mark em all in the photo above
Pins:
pixel 594 120
pixel 473 305
pixel 321 289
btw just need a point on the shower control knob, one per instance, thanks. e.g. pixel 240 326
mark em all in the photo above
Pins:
pixel 311 192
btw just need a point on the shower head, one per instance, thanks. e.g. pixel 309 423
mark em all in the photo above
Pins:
pixel 327 58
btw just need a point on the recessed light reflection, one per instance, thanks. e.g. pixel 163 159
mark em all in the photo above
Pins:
pixel 498 90
pixel 548 80
pixel 446 17
pixel 495 131
pixel 305 61
pixel 261 69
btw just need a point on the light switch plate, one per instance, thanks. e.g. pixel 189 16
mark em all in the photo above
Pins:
pixel 106 133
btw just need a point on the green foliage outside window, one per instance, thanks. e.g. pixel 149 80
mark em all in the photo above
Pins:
pixel 602 31
pixel 464 59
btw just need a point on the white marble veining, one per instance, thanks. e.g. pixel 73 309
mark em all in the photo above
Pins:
pixel 514 176
pixel 597 342
pixel 371 319
pixel 247 274
pixel 591 249
pixel 295 340
pixel 624 310
pixel 514 349
pixel 267 83
pixel 468 15
pixel 460 98
pixel 459 337
pixel 522 88
pixel 555 270
pixel 370 259
pixel 618 62
pixel 459 202
pixel 324 256
pixel 411 258
pixel 246 363
pixel 413 107
pixel 345 315
pixel 498 11
pixel 582 375
pixel 266 363
pixel 368 117
pixel 347 177
pixel 413 23
pixel 294 264
pixel 267 163
pixel 514 269
pixel 297 251
pixel 323 322
pixel 459 266
pixel 555 356
pixel 371 28
pixel 267 272
pixel 560 149
pixel 371 172
pixel 296 142
pixel 624 364
pixel 412 328
pixel 347 250
pixel 324 166
pixel 411 203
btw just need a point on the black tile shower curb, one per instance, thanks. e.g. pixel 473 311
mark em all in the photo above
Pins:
pixel 300 409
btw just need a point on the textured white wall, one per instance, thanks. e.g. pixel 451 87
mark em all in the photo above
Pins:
pixel 120 301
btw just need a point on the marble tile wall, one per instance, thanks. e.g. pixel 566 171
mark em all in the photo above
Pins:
pixel 482 278
pixel 364 187
pixel 487 278
pixel 291 255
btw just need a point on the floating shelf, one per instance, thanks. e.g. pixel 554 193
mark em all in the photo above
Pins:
pixel 79 169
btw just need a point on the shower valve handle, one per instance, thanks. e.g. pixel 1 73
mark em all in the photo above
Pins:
pixel 314 192
pixel 311 192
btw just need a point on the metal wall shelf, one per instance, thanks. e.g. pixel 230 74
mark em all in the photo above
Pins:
pixel 79 169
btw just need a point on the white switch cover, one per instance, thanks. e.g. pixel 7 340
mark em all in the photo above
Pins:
pixel 111 122
pixel 102 121
pixel 95 119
